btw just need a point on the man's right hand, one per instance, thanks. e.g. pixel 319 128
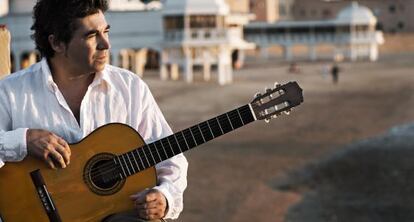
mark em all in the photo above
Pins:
pixel 48 147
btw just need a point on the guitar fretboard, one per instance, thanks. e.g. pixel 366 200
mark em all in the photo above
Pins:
pixel 158 151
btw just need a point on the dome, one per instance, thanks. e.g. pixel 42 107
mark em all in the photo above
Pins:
pixel 356 14
pixel 214 7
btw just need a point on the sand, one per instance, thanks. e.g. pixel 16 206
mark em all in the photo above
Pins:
pixel 292 169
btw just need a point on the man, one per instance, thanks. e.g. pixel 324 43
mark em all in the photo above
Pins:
pixel 73 91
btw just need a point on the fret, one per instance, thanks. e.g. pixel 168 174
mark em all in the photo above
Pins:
pixel 218 123
pixel 246 114
pixel 185 140
pixel 144 149
pixel 201 132
pixel 164 154
pixel 227 114
pixel 197 135
pixel 135 160
pixel 235 120
pixel 141 162
pixel 126 164
pixel 158 154
pixel 130 162
pixel 179 147
pixel 224 123
pixel 192 135
pixel 187 134
pixel 206 132
pixel 149 150
pixel 144 160
pixel 171 147
pixel 211 131
pixel 238 112
pixel 122 168
pixel 181 141
pixel 215 127
pixel 167 147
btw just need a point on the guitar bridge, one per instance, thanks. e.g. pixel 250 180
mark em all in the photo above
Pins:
pixel 45 197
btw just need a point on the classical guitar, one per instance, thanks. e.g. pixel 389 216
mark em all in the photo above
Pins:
pixel 114 162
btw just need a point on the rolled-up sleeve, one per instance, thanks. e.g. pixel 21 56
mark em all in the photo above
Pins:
pixel 171 173
pixel 12 145
pixel 12 142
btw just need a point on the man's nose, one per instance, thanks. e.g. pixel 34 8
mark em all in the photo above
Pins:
pixel 104 43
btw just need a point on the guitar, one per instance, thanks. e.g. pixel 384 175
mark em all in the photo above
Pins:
pixel 113 162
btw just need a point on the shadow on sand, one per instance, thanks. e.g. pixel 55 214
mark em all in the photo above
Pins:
pixel 368 181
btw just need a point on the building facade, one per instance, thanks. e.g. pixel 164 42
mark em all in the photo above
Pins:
pixel 393 15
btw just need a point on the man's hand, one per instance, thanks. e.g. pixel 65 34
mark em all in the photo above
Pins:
pixel 151 204
pixel 48 147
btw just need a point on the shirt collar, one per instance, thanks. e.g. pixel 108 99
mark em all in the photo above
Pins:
pixel 101 78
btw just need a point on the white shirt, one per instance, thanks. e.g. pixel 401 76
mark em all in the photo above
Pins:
pixel 31 99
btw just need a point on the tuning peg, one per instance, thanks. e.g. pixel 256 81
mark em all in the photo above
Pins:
pixel 277 84
pixel 267 120
pixel 268 89
pixel 257 94
pixel 275 116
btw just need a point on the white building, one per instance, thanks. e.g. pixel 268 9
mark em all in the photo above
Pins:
pixel 201 33
pixel 352 33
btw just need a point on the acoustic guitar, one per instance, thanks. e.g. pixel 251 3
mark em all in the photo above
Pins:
pixel 113 162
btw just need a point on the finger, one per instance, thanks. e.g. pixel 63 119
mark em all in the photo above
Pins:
pixel 150 205
pixel 63 152
pixel 57 157
pixel 140 197
pixel 49 162
pixel 63 143
pixel 152 196
pixel 149 213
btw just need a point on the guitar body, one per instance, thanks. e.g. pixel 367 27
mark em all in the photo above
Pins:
pixel 74 200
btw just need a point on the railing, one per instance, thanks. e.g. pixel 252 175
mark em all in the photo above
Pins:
pixel 202 35
pixel 305 38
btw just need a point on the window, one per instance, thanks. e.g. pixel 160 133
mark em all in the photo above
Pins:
pixel 326 13
pixel 282 9
pixel 391 9
pixel 202 21
pixel 400 25
pixel 173 22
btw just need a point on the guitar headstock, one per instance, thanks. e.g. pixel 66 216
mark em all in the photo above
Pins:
pixel 274 102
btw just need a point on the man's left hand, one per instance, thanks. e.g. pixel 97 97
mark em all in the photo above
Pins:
pixel 151 204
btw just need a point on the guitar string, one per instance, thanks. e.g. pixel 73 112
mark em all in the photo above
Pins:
pixel 109 167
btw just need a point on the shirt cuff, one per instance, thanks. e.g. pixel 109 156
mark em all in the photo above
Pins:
pixel 170 202
pixel 15 141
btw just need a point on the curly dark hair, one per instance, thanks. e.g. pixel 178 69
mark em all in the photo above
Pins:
pixel 58 18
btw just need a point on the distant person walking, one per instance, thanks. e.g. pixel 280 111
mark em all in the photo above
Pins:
pixel 335 73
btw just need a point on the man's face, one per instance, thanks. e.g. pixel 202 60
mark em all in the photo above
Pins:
pixel 88 50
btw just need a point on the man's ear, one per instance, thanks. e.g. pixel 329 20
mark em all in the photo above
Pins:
pixel 57 46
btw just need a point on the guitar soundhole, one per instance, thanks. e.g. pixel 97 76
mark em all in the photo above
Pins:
pixel 101 175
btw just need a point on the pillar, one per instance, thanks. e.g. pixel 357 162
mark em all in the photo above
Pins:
pixel 188 65
pixel 163 65
pixel 206 65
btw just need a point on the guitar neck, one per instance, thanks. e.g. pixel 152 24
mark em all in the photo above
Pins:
pixel 160 150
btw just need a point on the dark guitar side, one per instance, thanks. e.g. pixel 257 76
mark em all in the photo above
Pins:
pixel 19 201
